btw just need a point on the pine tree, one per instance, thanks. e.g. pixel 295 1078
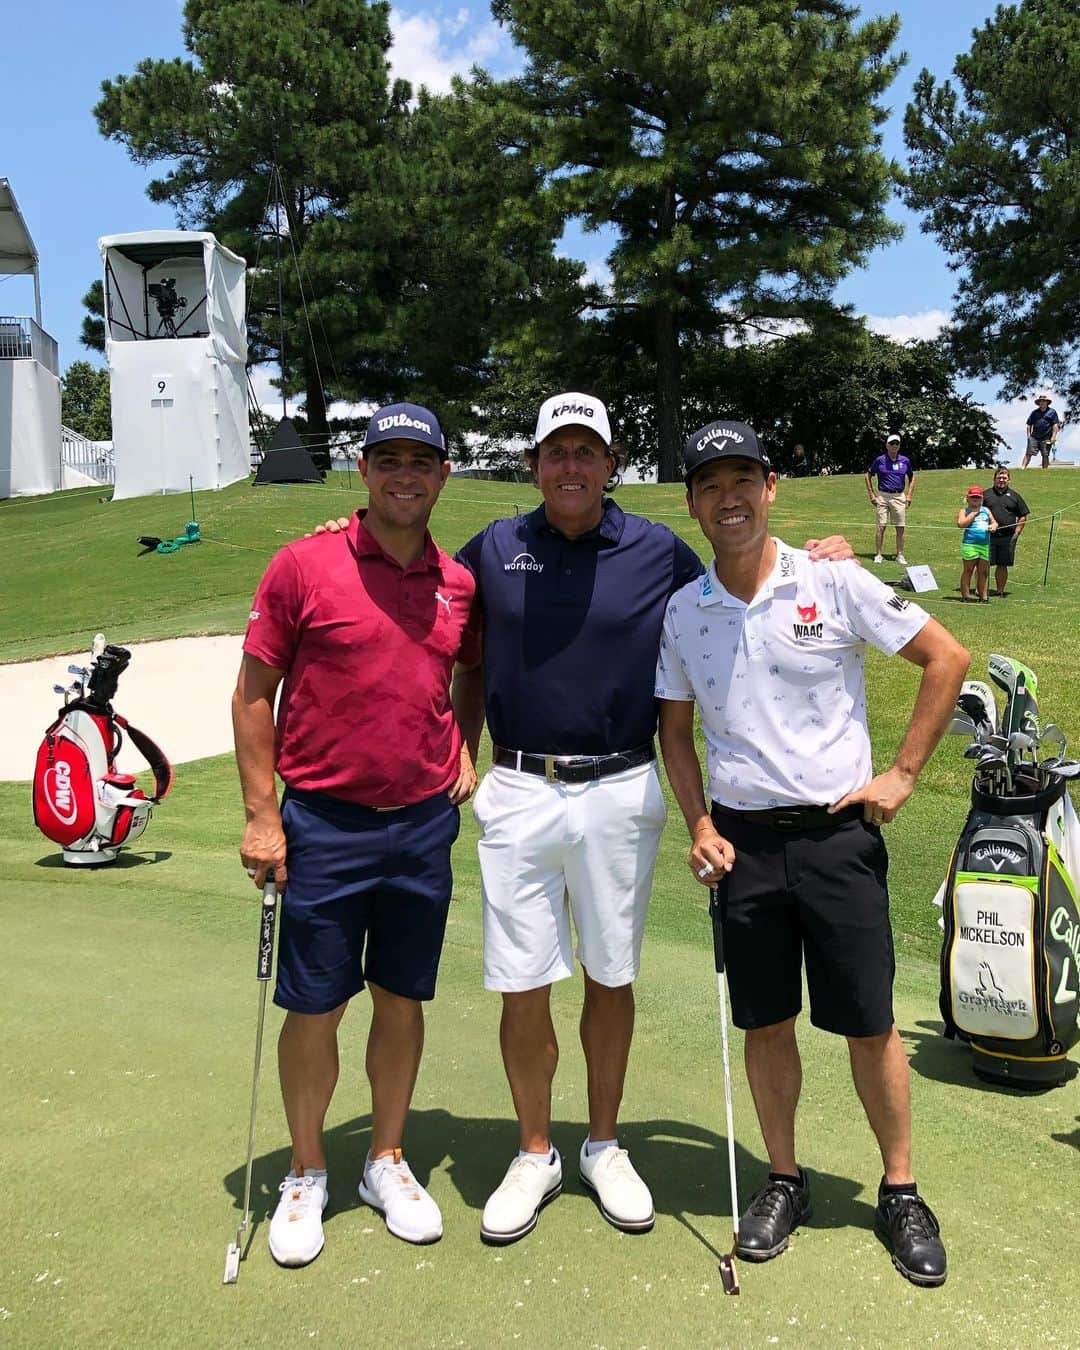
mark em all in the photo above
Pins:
pixel 995 166
pixel 733 148
pixel 278 94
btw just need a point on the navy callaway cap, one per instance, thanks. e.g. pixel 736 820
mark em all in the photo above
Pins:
pixel 722 440
pixel 405 422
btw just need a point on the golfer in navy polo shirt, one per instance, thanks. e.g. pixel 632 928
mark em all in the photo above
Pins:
pixel 572 597
pixel 892 496
pixel 771 649
pixel 362 629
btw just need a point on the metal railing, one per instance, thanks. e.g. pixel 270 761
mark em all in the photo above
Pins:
pixel 90 457
pixel 21 339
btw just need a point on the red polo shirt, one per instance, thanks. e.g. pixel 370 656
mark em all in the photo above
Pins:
pixel 368 648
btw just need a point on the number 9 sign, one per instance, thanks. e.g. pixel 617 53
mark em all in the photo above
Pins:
pixel 161 386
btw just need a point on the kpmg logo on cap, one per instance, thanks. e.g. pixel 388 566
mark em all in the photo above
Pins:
pixel 402 420
pixel 572 410
pixel 722 434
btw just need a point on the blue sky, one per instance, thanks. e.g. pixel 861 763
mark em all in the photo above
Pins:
pixel 73 186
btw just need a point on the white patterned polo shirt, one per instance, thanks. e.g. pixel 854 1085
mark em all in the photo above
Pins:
pixel 779 681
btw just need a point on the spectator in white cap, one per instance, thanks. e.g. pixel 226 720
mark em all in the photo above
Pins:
pixel 892 496
pixel 1043 427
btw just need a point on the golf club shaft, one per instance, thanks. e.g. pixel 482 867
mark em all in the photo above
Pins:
pixel 721 994
pixel 263 971
pixel 721 983
pixel 254 1109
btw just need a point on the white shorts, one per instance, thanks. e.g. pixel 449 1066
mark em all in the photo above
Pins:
pixel 549 850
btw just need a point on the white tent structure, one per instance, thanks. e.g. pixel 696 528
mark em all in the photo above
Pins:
pixel 29 373
pixel 176 344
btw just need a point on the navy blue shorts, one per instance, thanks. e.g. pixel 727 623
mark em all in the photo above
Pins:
pixel 367 898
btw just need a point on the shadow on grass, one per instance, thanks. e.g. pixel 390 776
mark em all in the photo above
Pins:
pixel 1073 1139
pixel 121 863
pixel 685 1165
pixel 945 1061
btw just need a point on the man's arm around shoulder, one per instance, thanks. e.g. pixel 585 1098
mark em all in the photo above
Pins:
pixel 263 844
pixel 944 664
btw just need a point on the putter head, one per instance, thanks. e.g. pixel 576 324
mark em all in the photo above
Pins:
pixel 729 1276
pixel 232 1264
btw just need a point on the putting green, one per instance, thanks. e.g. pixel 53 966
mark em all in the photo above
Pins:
pixel 129 1003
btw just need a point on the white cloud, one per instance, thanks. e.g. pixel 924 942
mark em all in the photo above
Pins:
pixel 430 47
pixel 903 327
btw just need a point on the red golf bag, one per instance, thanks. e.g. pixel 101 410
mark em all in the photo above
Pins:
pixel 81 800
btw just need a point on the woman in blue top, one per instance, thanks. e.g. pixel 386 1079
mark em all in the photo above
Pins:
pixel 978 525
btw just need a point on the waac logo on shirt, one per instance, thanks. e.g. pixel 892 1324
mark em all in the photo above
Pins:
pixel 809 626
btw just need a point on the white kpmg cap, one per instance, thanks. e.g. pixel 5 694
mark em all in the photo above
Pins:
pixel 572 410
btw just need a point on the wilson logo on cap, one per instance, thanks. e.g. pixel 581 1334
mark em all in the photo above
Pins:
pixel 403 420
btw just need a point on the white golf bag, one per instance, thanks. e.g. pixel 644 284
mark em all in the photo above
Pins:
pixel 1010 959
pixel 81 800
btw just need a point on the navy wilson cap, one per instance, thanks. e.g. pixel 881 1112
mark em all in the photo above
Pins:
pixel 405 422
pixel 722 440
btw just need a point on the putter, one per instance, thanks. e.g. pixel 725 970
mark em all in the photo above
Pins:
pixel 729 1276
pixel 267 924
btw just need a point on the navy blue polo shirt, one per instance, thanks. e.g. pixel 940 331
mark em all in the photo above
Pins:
pixel 572 628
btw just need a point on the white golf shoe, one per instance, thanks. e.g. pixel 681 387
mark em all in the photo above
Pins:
pixel 296 1232
pixel 625 1200
pixel 514 1207
pixel 389 1186
pixel 878 558
pixel 901 560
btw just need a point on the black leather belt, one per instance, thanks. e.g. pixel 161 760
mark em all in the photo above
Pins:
pixel 573 768
pixel 794 817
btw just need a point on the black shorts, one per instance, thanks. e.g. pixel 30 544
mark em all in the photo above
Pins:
pixel 819 894
pixel 1002 549
pixel 367 898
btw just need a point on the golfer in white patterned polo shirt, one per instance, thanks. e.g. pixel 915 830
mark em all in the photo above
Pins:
pixel 771 649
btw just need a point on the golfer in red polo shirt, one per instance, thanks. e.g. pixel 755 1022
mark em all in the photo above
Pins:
pixel 362 629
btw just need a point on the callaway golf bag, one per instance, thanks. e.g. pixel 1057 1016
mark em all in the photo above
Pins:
pixel 1010 983
pixel 81 801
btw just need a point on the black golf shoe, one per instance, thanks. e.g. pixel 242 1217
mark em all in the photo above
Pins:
pixel 773 1214
pixel 910 1230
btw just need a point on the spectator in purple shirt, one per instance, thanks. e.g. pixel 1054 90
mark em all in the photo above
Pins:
pixel 892 497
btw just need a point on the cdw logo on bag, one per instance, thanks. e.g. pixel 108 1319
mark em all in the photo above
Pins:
pixel 64 805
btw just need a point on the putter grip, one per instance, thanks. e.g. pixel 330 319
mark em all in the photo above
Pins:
pixel 717 928
pixel 267 924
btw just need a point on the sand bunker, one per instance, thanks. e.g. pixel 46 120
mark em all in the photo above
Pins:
pixel 177 691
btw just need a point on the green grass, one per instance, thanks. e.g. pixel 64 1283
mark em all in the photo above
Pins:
pixel 128 1005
